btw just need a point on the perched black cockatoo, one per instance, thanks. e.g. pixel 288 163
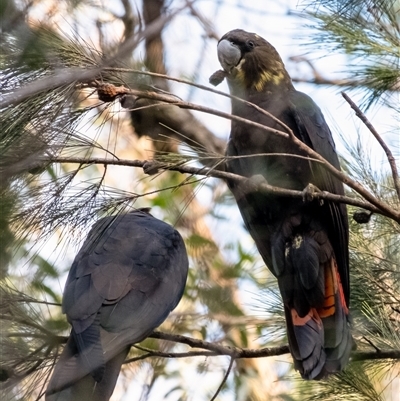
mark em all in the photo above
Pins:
pixel 129 274
pixel 304 243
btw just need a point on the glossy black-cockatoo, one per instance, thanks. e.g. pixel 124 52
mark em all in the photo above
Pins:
pixel 129 274
pixel 304 243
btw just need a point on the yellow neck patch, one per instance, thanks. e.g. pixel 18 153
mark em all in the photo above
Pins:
pixel 267 77
pixel 259 78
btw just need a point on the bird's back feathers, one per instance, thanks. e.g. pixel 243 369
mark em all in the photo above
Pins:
pixel 127 277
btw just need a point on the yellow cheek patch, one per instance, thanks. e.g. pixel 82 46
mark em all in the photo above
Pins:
pixel 238 72
pixel 240 65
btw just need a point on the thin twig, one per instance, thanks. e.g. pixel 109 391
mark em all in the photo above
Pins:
pixel 196 343
pixel 374 132
pixel 124 90
pixel 228 371
pixel 246 353
pixel 37 301
pixel 171 355
pixel 371 344
pixel 318 79
pixel 329 82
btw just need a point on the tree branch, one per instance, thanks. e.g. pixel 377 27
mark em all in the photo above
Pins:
pixel 172 355
pixel 238 353
pixel 218 349
pixel 215 349
pixel 368 355
pixel 113 91
pixel 152 165
pixel 374 132
pixel 347 83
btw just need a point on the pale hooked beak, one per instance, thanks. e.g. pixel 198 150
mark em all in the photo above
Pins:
pixel 229 55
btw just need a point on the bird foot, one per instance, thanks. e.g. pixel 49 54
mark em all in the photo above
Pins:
pixel 309 193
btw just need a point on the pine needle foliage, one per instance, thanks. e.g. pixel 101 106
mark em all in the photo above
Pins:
pixel 368 32
pixel 48 124
pixel 351 385
pixel 26 344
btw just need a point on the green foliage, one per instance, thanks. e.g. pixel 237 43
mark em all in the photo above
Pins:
pixel 351 385
pixel 369 33
pixel 24 342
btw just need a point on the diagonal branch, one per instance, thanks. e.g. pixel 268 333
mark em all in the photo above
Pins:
pixel 225 378
pixel 374 132
pixel 238 353
pixel 171 355
pixel 113 92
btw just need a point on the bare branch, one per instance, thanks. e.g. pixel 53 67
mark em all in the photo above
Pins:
pixel 238 353
pixel 385 209
pixel 215 349
pixel 221 349
pixel 319 79
pixel 210 172
pixel 374 132
pixel 202 87
pixel 171 355
pixel 347 83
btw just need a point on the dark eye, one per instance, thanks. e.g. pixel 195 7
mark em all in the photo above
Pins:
pixel 250 44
